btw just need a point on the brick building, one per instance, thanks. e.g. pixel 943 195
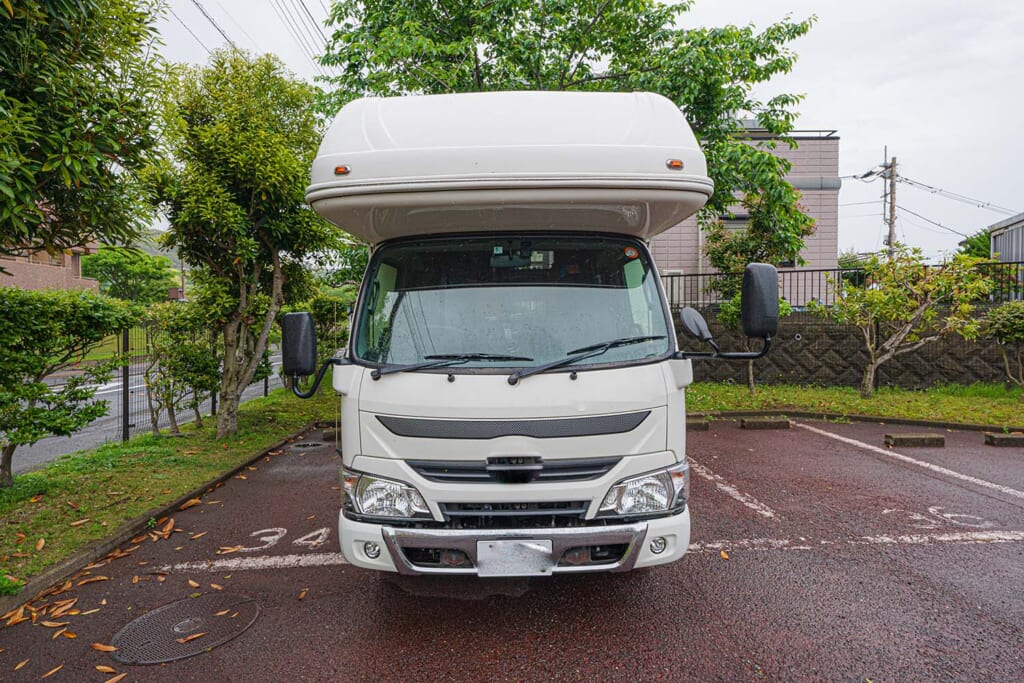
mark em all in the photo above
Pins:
pixel 40 270
pixel 815 173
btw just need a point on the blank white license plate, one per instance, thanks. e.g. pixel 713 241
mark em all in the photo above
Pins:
pixel 527 557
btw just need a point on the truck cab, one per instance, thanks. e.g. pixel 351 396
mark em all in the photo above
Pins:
pixel 513 397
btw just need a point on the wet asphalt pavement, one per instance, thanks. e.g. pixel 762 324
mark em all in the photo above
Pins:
pixel 813 558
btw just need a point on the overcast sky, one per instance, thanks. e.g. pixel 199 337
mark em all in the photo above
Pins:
pixel 938 81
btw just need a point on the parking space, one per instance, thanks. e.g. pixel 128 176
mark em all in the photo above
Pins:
pixel 812 557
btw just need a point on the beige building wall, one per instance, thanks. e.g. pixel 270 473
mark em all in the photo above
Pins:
pixel 42 271
pixel 815 173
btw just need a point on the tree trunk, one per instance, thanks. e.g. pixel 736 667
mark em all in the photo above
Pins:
pixel 750 378
pixel 172 418
pixel 154 411
pixel 227 414
pixel 199 415
pixel 867 385
pixel 6 473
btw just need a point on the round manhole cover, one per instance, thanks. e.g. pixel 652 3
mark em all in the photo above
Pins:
pixel 184 628
pixel 307 444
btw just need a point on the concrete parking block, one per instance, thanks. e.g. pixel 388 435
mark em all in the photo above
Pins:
pixel 1005 440
pixel 765 423
pixel 916 440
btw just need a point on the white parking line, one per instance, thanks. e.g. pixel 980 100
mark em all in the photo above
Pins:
pixel 731 491
pixel 920 463
pixel 335 559
pixel 264 562
pixel 805 544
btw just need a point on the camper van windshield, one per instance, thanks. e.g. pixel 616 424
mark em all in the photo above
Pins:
pixel 534 298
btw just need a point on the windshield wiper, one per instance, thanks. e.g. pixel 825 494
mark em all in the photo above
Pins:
pixel 581 354
pixel 442 359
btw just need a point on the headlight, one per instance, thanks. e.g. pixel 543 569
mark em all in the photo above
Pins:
pixel 370 495
pixel 659 491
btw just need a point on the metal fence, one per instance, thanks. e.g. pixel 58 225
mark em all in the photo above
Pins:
pixel 800 286
pixel 130 398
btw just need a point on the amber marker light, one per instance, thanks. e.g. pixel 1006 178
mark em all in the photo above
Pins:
pixel 675 164
pixel 342 170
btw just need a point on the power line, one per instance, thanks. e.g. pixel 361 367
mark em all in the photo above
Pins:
pixel 859 203
pixel 241 28
pixel 935 223
pixel 286 20
pixel 312 21
pixel 190 31
pixel 206 14
pixel 956 196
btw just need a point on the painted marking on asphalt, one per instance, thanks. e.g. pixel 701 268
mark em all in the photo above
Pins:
pixel 264 562
pixel 731 491
pixel 920 463
pixel 334 559
pixel 960 537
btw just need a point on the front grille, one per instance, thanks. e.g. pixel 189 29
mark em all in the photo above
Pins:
pixel 513 470
pixel 555 514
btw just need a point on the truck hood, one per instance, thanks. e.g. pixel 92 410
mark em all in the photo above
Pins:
pixel 625 407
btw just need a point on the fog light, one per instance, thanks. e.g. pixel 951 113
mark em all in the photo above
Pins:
pixel 658 545
pixel 454 558
pixel 371 549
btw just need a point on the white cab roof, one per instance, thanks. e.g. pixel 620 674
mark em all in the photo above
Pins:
pixel 523 161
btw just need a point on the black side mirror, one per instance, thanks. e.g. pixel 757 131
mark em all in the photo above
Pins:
pixel 694 324
pixel 298 344
pixel 759 301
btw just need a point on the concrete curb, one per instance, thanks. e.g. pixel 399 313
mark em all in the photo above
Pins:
pixel 854 418
pixel 64 569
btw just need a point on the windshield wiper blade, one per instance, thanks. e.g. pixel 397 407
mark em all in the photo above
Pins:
pixel 442 359
pixel 581 354
pixel 625 341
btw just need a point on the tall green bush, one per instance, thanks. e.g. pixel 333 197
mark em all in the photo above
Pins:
pixel 43 334
pixel 1005 324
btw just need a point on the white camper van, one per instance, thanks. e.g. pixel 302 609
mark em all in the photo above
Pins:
pixel 513 401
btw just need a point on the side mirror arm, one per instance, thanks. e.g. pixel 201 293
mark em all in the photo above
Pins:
pixel 727 355
pixel 319 377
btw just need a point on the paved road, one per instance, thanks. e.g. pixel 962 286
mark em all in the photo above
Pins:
pixel 846 561
pixel 108 428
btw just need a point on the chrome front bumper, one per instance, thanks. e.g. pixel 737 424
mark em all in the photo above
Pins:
pixel 633 535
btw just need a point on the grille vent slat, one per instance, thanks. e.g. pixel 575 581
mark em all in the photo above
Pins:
pixel 547 471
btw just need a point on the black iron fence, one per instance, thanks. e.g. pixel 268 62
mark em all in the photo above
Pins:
pixel 800 286
pixel 812 350
pixel 132 402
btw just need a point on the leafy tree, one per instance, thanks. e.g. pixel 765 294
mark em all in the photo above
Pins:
pixel 42 333
pixel 183 361
pixel 904 304
pixel 243 134
pixel 346 265
pixel 1005 324
pixel 77 112
pixel 978 245
pixel 130 274
pixel 394 47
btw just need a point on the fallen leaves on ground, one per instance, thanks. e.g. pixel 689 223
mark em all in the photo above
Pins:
pixel 79 522
pixel 190 638
pixel 40 543
pixel 216 586
pixel 302 595
pixel 116 678
pixel 100 647
pixel 20 664
pixel 93 579
pixel 226 550
pixel 104 669
pixel 725 555
pixel 52 671
pixel 190 503
pixel 193 584
pixel 199 535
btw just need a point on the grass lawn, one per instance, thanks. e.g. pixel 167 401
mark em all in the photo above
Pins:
pixel 118 482
pixel 988 404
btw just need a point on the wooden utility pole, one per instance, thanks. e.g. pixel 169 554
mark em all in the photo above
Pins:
pixel 892 208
